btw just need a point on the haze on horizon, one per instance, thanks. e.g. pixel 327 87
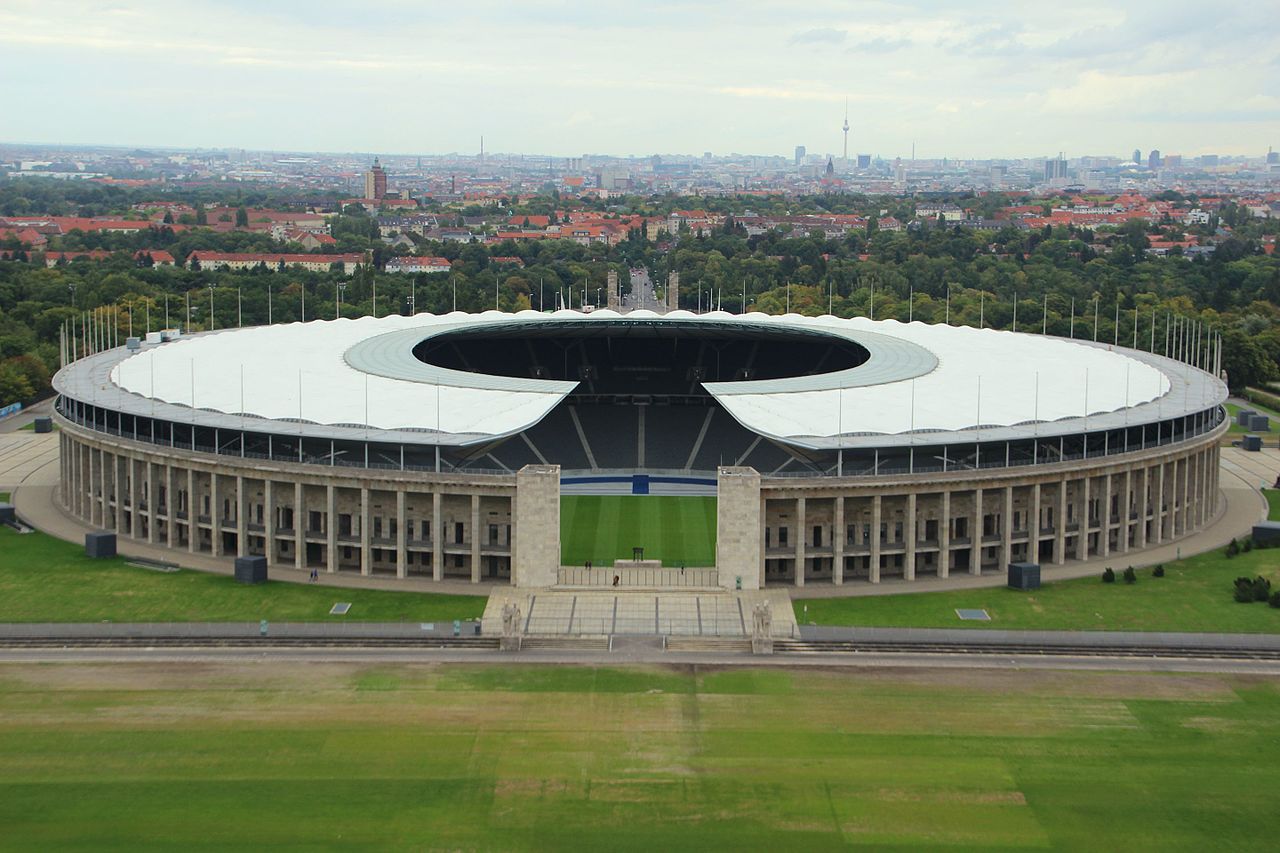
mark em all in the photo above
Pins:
pixel 991 78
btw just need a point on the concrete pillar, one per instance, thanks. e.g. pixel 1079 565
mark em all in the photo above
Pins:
pixel 1006 530
pixel 874 575
pixel 269 520
pixel 1183 517
pixel 1126 512
pixel 101 481
pixel 366 524
pixel 477 537
pixel 134 467
pixel 1082 541
pixel 1060 525
pixel 331 529
pixel 437 534
pixel 1033 526
pixel 215 515
pixel 153 503
pixel 299 527
pixel 193 508
pixel 838 536
pixel 242 518
pixel 537 517
pixel 801 540
pixel 975 535
pixel 944 537
pixel 909 530
pixel 402 536
pixel 1140 499
pixel 118 486
pixel 1104 518
pixel 739 528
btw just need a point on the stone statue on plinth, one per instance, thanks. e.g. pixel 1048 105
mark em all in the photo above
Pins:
pixel 762 629
pixel 512 628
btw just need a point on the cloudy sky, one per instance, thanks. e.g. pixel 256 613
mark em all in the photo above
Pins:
pixel 985 78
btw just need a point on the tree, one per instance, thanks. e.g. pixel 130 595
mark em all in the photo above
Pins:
pixel 242 217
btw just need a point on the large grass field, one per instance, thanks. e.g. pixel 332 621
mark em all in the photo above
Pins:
pixel 1194 595
pixel 679 530
pixel 343 756
pixel 43 579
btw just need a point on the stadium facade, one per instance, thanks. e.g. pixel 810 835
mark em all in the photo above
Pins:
pixel 841 451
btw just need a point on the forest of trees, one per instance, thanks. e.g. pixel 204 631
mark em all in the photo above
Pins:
pixel 911 273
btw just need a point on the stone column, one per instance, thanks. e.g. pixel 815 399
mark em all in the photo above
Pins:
pixel 402 536
pixel 135 492
pixel 153 503
pixel 801 541
pixel 299 526
pixel 242 519
pixel 119 484
pixel 192 510
pixel 874 573
pixel 537 518
pixel 1060 525
pixel 1104 518
pixel 366 548
pixel 909 531
pixel 1140 499
pixel 739 528
pixel 1006 530
pixel 215 516
pixel 1033 526
pixel 1082 540
pixel 944 537
pixel 269 520
pixel 437 534
pixel 838 535
pixel 975 535
pixel 331 529
pixel 477 537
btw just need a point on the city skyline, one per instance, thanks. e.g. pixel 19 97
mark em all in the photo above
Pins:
pixel 993 80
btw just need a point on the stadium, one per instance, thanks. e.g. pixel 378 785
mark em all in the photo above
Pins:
pixel 640 449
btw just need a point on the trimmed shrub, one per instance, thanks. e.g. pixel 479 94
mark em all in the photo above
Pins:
pixel 1244 590
pixel 1274 600
pixel 1261 588
pixel 1233 548
pixel 1108 575
pixel 1130 576
pixel 1247 546
pixel 1158 571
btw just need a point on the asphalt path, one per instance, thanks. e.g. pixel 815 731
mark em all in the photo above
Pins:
pixel 653 657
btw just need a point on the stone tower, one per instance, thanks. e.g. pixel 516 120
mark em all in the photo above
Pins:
pixel 615 301
pixel 673 291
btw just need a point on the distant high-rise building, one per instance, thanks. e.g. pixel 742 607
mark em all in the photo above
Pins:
pixel 1056 168
pixel 800 152
pixel 1137 155
pixel 899 171
pixel 864 161
pixel 1174 161
pixel 375 181
pixel 1153 159
pixel 1273 156
pixel 1208 161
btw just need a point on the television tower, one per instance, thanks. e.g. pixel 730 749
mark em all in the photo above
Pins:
pixel 846 134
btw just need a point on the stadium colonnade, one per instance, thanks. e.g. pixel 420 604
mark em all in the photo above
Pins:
pixel 343 497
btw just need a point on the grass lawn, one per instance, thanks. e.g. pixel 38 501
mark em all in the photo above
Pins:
pixel 276 756
pixel 1273 501
pixel 679 530
pixel 43 579
pixel 1194 595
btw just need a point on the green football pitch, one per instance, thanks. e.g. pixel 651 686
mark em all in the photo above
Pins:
pixel 679 530
pixel 273 755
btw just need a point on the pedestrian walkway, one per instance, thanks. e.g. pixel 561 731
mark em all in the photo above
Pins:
pixel 553 612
